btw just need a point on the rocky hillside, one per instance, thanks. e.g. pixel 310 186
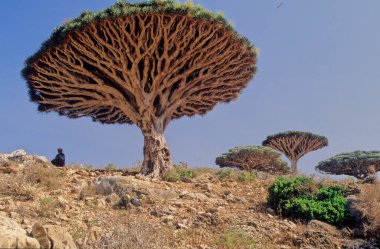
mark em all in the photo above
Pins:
pixel 46 207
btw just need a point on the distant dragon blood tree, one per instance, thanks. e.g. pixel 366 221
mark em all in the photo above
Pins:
pixel 295 144
pixel 360 164
pixel 253 158
pixel 144 64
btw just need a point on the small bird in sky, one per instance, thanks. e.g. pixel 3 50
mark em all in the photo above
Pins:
pixel 280 5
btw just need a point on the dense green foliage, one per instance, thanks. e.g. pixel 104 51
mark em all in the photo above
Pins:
pixel 253 158
pixel 359 164
pixel 124 9
pixel 304 198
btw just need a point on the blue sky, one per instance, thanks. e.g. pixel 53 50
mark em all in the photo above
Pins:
pixel 317 71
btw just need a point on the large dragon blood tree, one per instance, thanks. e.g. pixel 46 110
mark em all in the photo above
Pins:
pixel 295 144
pixel 360 164
pixel 144 64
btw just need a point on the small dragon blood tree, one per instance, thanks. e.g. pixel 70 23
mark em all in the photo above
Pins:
pixel 360 164
pixel 141 63
pixel 295 144
pixel 253 158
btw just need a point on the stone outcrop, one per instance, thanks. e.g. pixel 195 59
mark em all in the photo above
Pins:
pixel 18 159
pixel 13 236
pixel 53 237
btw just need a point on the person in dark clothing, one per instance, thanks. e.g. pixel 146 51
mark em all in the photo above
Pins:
pixel 59 159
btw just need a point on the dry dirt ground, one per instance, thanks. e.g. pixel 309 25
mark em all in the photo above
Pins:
pixel 108 210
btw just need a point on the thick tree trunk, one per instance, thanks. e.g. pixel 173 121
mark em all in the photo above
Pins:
pixel 157 158
pixel 293 163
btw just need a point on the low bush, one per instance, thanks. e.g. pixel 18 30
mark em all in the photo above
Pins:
pixel 111 167
pixel 226 174
pixel 179 173
pixel 242 176
pixel 304 198
pixel 246 176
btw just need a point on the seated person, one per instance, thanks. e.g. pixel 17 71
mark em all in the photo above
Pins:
pixel 59 159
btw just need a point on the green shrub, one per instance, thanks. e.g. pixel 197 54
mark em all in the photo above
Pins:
pixel 304 198
pixel 111 167
pixel 179 173
pixel 288 188
pixel 225 174
pixel 246 176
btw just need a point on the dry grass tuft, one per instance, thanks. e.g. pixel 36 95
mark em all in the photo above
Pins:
pixel 21 188
pixel 234 238
pixel 368 204
pixel 28 183
pixel 47 207
pixel 137 234
pixel 46 177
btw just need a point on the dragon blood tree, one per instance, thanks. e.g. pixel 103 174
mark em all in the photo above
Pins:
pixel 295 144
pixel 144 64
pixel 253 158
pixel 360 164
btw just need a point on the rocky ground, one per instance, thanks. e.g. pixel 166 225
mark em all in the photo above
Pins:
pixel 41 206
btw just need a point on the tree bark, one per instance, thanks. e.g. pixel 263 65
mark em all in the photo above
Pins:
pixel 293 163
pixel 157 158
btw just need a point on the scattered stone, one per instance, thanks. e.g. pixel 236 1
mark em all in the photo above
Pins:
pixel 196 196
pixel 136 202
pixel 62 217
pixel 182 226
pixel 291 224
pixel 183 193
pixel 63 203
pixel 360 244
pixel 212 210
pixel 113 199
pixel 322 226
pixel 270 211
pixel 167 218
pixel 14 215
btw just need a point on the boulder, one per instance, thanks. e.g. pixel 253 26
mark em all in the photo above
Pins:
pixel 121 185
pixel 17 154
pixel 13 236
pixel 17 160
pixel 40 234
pixel 59 237
pixel 54 237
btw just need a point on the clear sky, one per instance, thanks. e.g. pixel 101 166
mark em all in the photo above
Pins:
pixel 318 71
